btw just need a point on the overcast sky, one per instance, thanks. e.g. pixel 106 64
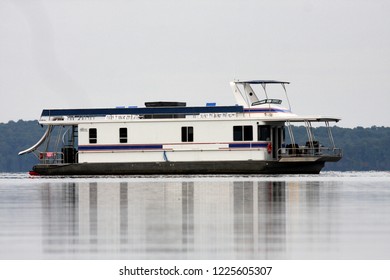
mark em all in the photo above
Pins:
pixel 77 53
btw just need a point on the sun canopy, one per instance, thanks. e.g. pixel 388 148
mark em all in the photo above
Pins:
pixel 301 119
pixel 261 82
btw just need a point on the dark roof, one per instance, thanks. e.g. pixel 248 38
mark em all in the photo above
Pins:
pixel 141 111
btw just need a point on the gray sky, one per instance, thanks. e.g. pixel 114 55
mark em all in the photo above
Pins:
pixel 77 53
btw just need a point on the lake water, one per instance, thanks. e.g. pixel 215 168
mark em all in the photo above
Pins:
pixel 328 216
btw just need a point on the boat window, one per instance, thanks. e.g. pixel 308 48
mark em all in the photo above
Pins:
pixel 123 135
pixel 263 133
pixel 92 135
pixel 187 134
pixel 248 133
pixel 243 133
pixel 237 133
pixel 267 101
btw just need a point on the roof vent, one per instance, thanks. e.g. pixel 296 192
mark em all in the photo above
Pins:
pixel 165 104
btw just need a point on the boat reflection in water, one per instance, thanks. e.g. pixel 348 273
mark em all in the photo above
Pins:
pixel 165 220
pixel 332 216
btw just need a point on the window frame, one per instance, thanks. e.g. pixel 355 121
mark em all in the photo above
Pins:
pixel 187 134
pixel 92 135
pixel 261 134
pixel 237 133
pixel 123 135
pixel 242 133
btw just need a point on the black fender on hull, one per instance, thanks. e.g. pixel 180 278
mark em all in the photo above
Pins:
pixel 180 168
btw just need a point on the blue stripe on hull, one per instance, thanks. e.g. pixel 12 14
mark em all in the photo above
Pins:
pixel 248 145
pixel 120 147
pixel 158 146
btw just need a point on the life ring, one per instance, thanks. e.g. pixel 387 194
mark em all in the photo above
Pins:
pixel 269 148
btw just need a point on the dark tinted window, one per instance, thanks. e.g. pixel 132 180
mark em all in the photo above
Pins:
pixel 187 134
pixel 237 133
pixel 243 133
pixel 92 135
pixel 123 135
pixel 190 134
pixel 264 133
pixel 248 133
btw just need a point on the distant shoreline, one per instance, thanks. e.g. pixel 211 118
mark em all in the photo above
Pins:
pixel 364 149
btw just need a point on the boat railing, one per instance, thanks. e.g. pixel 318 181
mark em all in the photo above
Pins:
pixel 51 157
pixel 307 151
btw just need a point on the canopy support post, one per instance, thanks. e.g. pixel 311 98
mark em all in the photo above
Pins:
pixel 330 135
pixel 310 134
pixel 288 100
pixel 290 133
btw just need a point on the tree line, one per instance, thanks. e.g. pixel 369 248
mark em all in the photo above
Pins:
pixel 364 149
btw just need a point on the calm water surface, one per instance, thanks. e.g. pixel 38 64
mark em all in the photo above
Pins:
pixel 327 216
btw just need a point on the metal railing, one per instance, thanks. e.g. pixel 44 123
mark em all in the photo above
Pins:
pixel 307 151
pixel 51 157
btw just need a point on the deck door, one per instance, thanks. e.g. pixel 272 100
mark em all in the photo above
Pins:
pixel 276 140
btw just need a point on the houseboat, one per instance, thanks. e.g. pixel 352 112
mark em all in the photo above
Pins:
pixel 255 136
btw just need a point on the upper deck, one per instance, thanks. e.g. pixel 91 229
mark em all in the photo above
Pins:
pixel 78 116
pixel 248 106
pixel 63 116
pixel 245 94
